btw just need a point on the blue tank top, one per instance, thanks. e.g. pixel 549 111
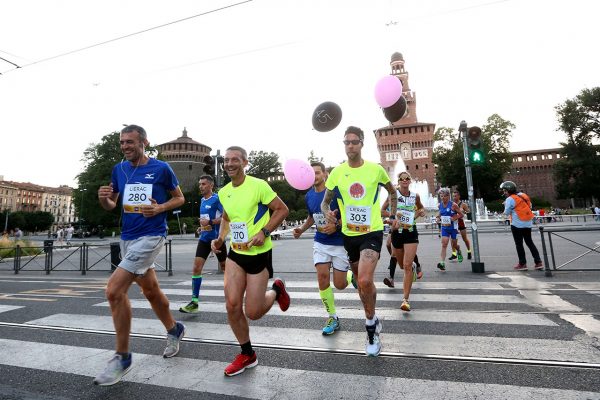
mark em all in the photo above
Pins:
pixel 446 213
pixel 313 204
pixel 210 208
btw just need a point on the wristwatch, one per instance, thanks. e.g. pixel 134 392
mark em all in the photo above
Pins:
pixel 392 217
pixel 266 232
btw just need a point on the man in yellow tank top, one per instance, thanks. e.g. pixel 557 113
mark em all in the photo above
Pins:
pixel 356 184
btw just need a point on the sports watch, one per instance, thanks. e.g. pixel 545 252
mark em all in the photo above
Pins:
pixel 266 232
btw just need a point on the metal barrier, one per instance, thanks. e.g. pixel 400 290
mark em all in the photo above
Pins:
pixel 553 231
pixel 89 257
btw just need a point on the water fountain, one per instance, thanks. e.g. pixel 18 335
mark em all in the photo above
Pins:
pixel 430 202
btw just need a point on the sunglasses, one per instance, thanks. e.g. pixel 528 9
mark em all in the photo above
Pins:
pixel 403 179
pixel 354 142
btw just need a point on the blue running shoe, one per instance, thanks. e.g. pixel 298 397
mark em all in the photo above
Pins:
pixel 332 325
pixel 114 371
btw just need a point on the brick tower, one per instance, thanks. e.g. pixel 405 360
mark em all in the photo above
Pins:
pixel 407 139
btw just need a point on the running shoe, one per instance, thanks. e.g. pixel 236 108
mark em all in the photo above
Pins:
pixel 191 308
pixel 114 371
pixel 460 257
pixel 539 266
pixel 452 257
pixel 240 363
pixel 520 267
pixel 405 305
pixel 283 298
pixel 419 272
pixel 332 325
pixel 173 341
pixel 373 346
pixel 468 255
pixel 389 282
pixel 441 266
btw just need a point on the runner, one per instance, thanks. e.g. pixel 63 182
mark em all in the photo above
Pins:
pixel 210 220
pixel 462 229
pixel 406 239
pixel 144 185
pixel 246 203
pixel 389 280
pixel 356 183
pixel 328 248
pixel 449 213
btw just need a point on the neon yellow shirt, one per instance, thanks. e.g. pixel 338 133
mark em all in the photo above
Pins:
pixel 357 192
pixel 247 208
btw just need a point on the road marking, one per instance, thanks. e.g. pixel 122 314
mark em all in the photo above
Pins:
pixel 387 313
pixel 586 322
pixel 261 382
pixel 445 345
pixel 351 294
pixel 5 308
pixel 416 285
pixel 8 296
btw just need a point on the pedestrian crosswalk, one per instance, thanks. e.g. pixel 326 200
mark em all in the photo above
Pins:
pixel 477 321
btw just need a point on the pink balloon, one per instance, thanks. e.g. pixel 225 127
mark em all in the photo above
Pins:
pixel 388 90
pixel 299 174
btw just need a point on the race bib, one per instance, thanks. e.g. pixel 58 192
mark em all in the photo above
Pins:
pixel 206 228
pixel 446 220
pixel 406 217
pixel 358 218
pixel 320 221
pixel 239 236
pixel 135 196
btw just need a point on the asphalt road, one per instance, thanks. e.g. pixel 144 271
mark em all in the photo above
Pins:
pixel 498 335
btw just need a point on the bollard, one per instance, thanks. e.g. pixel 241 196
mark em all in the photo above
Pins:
pixel 115 255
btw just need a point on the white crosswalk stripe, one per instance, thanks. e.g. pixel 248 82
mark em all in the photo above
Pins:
pixel 262 382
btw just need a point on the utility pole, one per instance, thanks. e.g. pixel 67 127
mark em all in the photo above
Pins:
pixel 476 266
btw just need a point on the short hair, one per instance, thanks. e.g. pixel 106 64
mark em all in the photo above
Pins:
pixel 136 128
pixel 319 164
pixel 404 173
pixel 444 190
pixel 240 149
pixel 355 130
pixel 456 191
pixel 208 178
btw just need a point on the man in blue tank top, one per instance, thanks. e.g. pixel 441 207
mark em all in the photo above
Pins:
pixel 328 248
pixel 210 221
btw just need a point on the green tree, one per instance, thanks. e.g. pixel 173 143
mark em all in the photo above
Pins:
pixel 263 165
pixel 312 158
pixel 99 159
pixel 38 221
pixel 577 172
pixel 449 157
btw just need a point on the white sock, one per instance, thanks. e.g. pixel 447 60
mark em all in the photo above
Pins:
pixel 371 322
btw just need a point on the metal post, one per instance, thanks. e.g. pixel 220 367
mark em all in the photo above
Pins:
pixel 169 258
pixel 547 271
pixel 476 266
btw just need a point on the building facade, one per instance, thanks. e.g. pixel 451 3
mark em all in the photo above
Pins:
pixel 59 202
pixel 186 157
pixel 531 171
pixel 407 140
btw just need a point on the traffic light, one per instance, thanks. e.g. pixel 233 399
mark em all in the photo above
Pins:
pixel 475 145
pixel 209 167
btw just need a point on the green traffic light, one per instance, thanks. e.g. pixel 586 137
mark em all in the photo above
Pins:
pixel 476 157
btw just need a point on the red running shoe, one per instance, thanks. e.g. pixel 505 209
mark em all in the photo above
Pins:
pixel 240 363
pixel 520 267
pixel 283 298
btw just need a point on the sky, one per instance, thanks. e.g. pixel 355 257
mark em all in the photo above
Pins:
pixel 251 72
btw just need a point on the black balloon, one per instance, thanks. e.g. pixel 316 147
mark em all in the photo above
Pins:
pixel 327 116
pixel 396 111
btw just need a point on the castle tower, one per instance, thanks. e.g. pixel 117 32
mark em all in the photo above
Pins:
pixel 407 139
pixel 186 157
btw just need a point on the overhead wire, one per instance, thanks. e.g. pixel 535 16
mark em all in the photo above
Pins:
pixel 126 36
